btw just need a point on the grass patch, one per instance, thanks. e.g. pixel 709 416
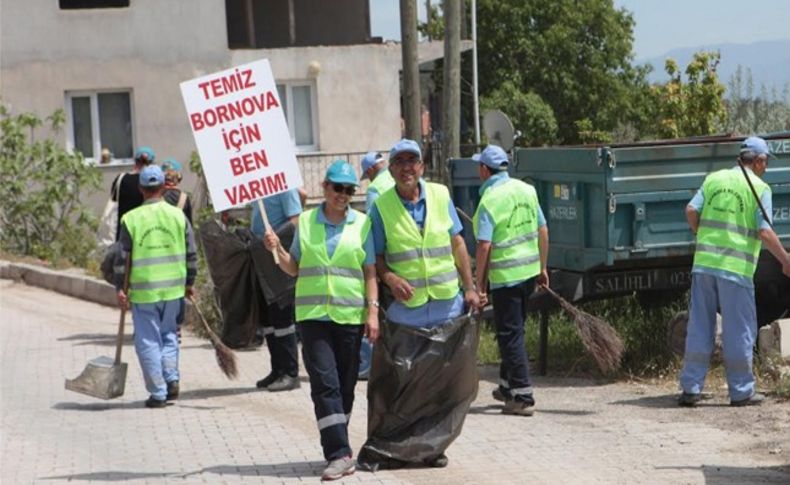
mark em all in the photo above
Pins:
pixel 643 331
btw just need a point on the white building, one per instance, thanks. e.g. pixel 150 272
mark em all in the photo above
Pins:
pixel 115 66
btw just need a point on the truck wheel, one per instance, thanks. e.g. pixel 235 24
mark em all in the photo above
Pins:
pixel 676 335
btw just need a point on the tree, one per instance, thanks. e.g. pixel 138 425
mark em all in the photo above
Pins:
pixel 41 186
pixel 529 113
pixel 749 113
pixel 694 107
pixel 575 55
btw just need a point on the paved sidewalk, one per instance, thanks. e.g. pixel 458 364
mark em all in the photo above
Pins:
pixel 224 431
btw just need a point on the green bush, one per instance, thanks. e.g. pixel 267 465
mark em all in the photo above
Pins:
pixel 41 186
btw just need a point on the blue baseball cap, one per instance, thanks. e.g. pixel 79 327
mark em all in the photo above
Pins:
pixel 407 146
pixel 370 159
pixel 341 172
pixel 145 154
pixel 493 156
pixel 151 176
pixel 754 145
pixel 170 164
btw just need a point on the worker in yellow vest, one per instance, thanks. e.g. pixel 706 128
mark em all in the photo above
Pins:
pixel 512 252
pixel 420 252
pixel 163 268
pixel 336 302
pixel 374 167
pixel 729 225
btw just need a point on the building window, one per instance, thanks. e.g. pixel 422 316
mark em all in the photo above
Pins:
pixel 78 4
pixel 97 120
pixel 299 104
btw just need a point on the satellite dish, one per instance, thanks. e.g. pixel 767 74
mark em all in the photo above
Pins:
pixel 498 129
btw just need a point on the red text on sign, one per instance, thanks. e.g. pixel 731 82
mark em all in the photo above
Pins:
pixel 249 162
pixel 225 113
pixel 243 135
pixel 231 83
pixel 256 189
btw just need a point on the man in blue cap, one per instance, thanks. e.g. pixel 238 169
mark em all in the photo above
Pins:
pixel 512 252
pixel 729 224
pixel 279 329
pixel 159 240
pixel 125 188
pixel 420 253
pixel 374 167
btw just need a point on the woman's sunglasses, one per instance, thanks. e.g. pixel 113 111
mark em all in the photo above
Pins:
pixel 349 190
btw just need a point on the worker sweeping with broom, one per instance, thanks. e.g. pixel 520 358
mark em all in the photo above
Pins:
pixel 160 242
pixel 512 251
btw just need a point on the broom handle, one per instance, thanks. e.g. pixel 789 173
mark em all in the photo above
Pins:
pixel 119 339
pixel 212 335
pixel 266 227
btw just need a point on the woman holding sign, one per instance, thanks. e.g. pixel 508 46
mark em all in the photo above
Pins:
pixel 336 298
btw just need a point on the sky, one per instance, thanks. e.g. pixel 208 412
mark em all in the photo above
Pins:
pixel 661 25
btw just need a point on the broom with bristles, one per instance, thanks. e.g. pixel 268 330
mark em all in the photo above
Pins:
pixel 226 359
pixel 598 337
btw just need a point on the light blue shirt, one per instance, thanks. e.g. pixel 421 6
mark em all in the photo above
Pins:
pixel 373 194
pixel 333 233
pixel 485 223
pixel 698 201
pixel 435 311
pixel 279 208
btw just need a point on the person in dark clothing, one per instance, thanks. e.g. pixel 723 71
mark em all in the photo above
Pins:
pixel 128 195
pixel 173 195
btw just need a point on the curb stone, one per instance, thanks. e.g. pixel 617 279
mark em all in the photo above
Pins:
pixel 76 285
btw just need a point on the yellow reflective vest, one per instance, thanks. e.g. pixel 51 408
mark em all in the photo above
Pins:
pixel 333 287
pixel 159 269
pixel 424 259
pixel 515 255
pixel 728 237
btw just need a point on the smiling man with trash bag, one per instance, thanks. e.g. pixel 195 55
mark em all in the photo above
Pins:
pixel 424 372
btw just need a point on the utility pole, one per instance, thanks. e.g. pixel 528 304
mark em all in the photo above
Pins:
pixel 475 85
pixel 411 70
pixel 452 83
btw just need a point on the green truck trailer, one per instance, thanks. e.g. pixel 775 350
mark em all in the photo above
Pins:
pixel 616 214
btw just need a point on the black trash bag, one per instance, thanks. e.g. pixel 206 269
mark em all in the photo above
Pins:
pixel 235 281
pixel 422 382
pixel 108 262
pixel 277 286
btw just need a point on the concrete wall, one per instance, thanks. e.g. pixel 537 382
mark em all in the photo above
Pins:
pixel 153 45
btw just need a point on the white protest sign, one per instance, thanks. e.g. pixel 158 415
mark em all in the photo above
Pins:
pixel 241 134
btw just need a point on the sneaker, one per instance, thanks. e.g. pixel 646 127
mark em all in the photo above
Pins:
pixel 755 400
pixel 498 395
pixel 152 402
pixel 267 381
pixel 284 383
pixel 688 399
pixel 519 408
pixel 440 461
pixel 172 391
pixel 338 468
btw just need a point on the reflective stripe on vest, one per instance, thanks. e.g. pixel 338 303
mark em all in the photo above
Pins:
pixel 424 259
pixel 515 254
pixel 331 287
pixel 159 267
pixel 728 237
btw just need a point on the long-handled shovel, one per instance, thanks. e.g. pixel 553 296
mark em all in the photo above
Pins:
pixel 104 377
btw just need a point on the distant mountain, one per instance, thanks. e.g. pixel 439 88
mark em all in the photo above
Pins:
pixel 769 62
